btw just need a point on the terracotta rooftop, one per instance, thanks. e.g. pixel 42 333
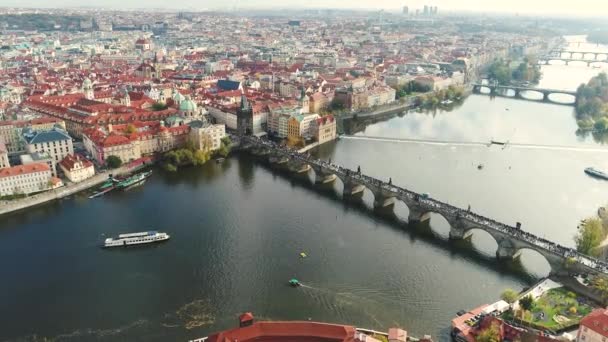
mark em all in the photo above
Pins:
pixel 23 169
pixel 296 331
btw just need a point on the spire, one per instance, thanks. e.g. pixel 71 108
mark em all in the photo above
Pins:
pixel 245 105
pixel 302 93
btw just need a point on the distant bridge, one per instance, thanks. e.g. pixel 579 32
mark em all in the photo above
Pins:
pixel 546 59
pixel 518 90
pixel 511 240
pixel 570 53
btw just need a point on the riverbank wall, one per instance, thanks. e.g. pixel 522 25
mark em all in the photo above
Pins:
pixel 7 207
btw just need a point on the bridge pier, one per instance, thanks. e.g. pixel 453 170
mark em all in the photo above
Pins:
pixel 506 250
pixel 517 94
pixel 296 166
pixel 416 214
pixel 458 230
pixel 352 188
pixel 278 159
pixel 546 96
pixel 381 201
pixel 323 176
pixel 382 198
pixel 260 151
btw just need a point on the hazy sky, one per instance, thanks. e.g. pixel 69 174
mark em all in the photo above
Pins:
pixel 574 7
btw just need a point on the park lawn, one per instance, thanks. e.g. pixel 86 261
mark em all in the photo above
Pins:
pixel 558 302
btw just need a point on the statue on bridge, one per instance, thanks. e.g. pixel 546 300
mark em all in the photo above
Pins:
pixel 390 181
pixel 359 169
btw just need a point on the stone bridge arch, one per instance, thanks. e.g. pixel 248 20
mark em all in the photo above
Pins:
pixel 549 262
pixel 525 94
pixel 438 222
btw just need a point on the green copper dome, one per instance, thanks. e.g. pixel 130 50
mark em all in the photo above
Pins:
pixel 187 105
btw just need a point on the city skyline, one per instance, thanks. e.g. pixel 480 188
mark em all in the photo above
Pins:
pixel 558 7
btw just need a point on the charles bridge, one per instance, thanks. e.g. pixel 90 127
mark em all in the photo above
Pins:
pixel 500 90
pixel 511 240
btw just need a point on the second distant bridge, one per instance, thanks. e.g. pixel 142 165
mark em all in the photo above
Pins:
pixel 516 92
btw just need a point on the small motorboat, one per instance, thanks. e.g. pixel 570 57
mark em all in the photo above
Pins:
pixel 480 166
pixel 220 160
pixel 294 282
pixel 303 255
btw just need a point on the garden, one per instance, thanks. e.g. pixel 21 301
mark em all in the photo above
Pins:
pixel 554 310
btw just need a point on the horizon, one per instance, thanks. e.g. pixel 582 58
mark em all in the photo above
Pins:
pixel 543 8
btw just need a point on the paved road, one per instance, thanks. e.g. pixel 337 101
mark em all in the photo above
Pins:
pixel 70 189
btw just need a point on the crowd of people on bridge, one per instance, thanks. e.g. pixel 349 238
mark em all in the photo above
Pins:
pixel 438 206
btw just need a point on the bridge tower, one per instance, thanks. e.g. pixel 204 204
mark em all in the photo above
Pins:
pixel 244 117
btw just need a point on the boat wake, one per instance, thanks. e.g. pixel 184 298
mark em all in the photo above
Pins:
pixel 477 143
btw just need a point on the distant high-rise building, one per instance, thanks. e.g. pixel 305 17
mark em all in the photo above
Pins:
pixel 426 10
pixel 406 10
pixel 417 12
pixel 435 10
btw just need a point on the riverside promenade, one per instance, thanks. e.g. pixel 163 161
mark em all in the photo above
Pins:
pixel 64 191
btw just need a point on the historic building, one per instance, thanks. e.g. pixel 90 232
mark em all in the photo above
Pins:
pixel 324 129
pixel 594 327
pixel 27 179
pixel 55 142
pixel 3 156
pixel 76 168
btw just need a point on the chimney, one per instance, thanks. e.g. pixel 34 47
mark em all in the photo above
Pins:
pixel 245 319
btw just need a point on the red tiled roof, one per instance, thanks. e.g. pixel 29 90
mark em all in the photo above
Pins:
pixel 287 331
pixel 24 169
pixel 115 140
pixel 70 160
pixel 597 321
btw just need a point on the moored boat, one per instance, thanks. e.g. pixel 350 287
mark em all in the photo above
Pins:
pixel 136 239
pixel 137 179
pixel 596 173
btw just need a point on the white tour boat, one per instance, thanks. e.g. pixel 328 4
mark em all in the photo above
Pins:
pixel 136 239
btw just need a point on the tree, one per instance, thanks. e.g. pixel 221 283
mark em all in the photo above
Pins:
pixel 130 129
pixel 200 157
pixel 526 303
pixel 500 71
pixel 489 334
pixel 113 162
pixel 509 296
pixel 589 236
pixel 157 106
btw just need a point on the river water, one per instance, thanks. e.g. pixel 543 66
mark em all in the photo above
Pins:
pixel 238 228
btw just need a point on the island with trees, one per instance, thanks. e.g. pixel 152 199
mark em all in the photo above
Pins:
pixel 506 72
pixel 189 155
pixel 592 105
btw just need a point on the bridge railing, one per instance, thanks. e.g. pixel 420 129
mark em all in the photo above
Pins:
pixel 477 219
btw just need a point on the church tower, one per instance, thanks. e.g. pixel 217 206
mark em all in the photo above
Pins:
pixel 304 102
pixel 87 89
pixel 244 117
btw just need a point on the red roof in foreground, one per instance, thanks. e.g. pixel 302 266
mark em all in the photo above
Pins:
pixel 24 169
pixel 297 331
pixel 597 321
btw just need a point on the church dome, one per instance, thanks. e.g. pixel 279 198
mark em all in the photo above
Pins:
pixel 187 105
